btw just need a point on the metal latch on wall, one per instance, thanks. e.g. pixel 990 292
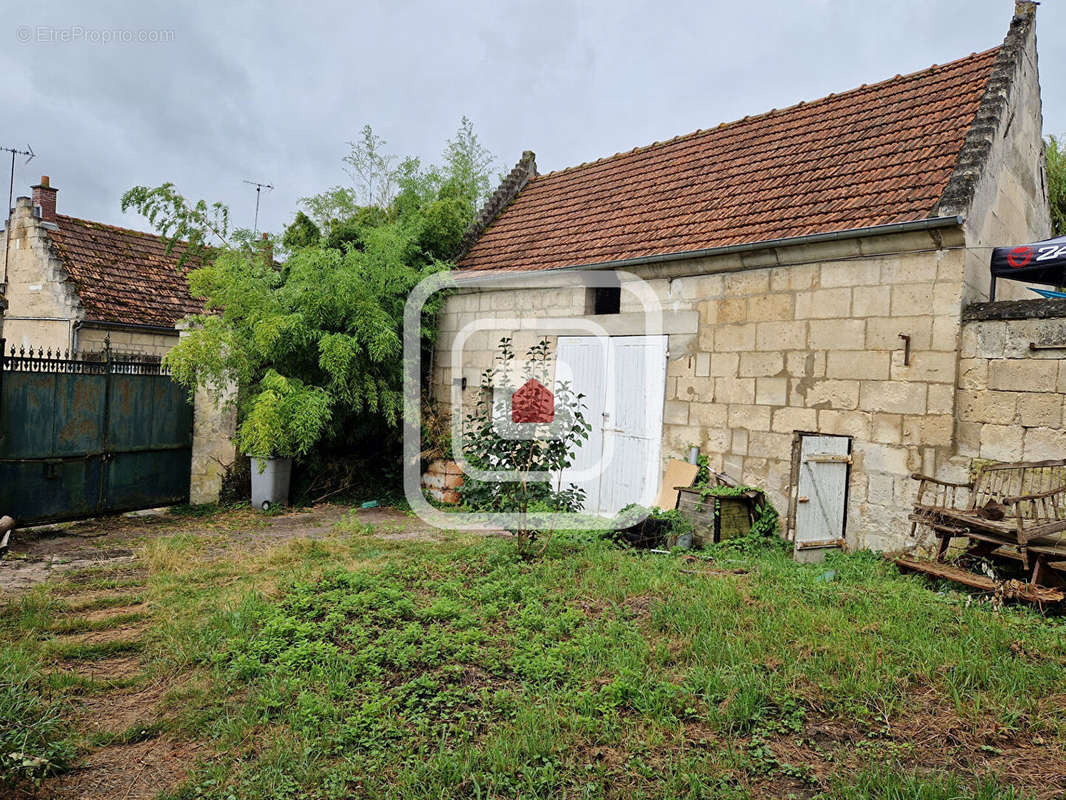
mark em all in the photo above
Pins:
pixel 906 349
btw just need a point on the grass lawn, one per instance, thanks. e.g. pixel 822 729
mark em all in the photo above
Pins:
pixel 365 665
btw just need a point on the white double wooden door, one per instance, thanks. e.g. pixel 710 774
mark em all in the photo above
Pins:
pixel 623 379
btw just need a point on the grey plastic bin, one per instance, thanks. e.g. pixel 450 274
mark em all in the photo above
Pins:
pixel 270 481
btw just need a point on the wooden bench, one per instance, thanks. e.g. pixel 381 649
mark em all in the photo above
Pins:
pixel 1033 526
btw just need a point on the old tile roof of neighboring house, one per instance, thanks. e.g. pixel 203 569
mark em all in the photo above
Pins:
pixel 124 276
pixel 874 155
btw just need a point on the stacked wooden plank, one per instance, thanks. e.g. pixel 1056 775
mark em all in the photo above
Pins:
pixel 1008 590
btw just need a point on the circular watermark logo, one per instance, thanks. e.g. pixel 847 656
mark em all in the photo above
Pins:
pixel 1020 256
pixel 526 407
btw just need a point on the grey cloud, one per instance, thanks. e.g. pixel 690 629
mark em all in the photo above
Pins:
pixel 272 91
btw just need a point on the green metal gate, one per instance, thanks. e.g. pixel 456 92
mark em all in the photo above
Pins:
pixel 81 437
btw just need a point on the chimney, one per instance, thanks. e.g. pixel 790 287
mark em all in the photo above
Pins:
pixel 1024 8
pixel 44 197
pixel 267 248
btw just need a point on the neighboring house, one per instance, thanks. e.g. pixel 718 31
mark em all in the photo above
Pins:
pixel 72 283
pixel 813 265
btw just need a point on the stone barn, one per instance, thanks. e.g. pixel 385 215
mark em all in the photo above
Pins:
pixel 816 269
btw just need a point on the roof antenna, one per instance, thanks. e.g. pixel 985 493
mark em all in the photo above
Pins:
pixel 259 187
pixel 28 152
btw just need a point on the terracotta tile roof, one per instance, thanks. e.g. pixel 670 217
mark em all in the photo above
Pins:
pixel 874 155
pixel 122 275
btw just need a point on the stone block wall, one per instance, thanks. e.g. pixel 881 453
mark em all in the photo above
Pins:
pixel 479 348
pixel 1011 397
pixel 1010 200
pixel 214 423
pixel 768 344
pixel 43 304
pixel 817 348
pixel 1000 185
pixel 125 340
pixel 213 451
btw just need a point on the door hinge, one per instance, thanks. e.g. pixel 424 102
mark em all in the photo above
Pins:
pixel 820 543
pixel 826 458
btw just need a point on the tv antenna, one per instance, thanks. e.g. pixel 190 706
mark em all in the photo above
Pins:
pixel 28 152
pixel 259 187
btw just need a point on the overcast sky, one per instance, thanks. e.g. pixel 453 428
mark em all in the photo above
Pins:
pixel 272 91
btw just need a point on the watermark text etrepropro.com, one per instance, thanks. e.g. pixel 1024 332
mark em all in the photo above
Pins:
pixel 70 34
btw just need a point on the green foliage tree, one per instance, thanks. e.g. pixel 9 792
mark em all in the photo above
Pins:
pixel 371 169
pixel 303 232
pixel 314 344
pixel 334 204
pixel 385 187
pixel 1056 178
pixel 194 228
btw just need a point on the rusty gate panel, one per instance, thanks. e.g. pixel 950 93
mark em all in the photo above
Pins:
pixel 85 436
pixel 172 417
pixel 26 423
pixel 147 479
pixel 76 415
pixel 149 437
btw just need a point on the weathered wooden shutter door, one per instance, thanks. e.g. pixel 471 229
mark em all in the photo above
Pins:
pixel 633 422
pixel 822 490
pixel 582 360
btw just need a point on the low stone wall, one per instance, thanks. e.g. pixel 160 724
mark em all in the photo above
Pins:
pixel 1012 381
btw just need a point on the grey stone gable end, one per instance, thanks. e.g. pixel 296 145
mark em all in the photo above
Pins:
pixel 508 190
pixel 959 192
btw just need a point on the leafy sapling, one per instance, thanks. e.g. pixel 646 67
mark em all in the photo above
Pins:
pixel 534 454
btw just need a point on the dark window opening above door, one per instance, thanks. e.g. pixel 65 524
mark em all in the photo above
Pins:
pixel 603 300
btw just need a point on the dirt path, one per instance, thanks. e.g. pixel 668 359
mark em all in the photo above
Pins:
pixel 42 554
pixel 98 636
pixel 98 639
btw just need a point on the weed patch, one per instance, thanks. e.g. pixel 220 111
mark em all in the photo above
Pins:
pixel 362 665
pixel 36 739
pixel 598 673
